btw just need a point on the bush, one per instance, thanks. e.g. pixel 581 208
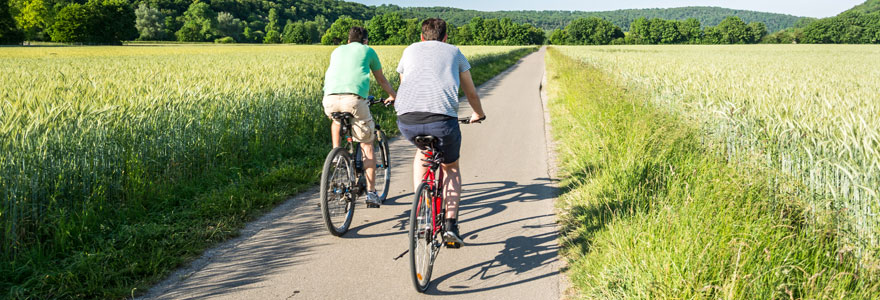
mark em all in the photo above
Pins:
pixel 225 40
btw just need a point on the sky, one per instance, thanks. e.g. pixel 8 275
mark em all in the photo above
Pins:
pixel 806 8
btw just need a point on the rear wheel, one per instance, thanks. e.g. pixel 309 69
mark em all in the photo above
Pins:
pixel 383 166
pixel 422 241
pixel 337 199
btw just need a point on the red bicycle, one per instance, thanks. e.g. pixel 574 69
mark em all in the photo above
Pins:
pixel 428 215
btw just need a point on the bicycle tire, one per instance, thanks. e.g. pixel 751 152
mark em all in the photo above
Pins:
pixel 336 190
pixel 383 166
pixel 421 267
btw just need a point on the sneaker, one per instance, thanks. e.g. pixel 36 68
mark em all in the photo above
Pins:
pixel 451 238
pixel 373 199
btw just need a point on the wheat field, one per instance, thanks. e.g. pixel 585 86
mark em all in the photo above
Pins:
pixel 808 113
pixel 85 131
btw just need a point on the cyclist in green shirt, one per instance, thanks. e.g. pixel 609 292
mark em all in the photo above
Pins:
pixel 346 87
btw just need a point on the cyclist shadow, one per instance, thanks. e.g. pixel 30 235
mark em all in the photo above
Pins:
pixel 523 258
pixel 521 255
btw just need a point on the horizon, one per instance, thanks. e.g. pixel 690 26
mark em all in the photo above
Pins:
pixel 809 8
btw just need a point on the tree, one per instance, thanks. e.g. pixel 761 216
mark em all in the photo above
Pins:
pixel 338 32
pixel 198 23
pixel 312 30
pixel 734 31
pixel 107 22
pixel 592 31
pixel 757 31
pixel 558 37
pixel 149 23
pixel 691 30
pixel 295 33
pixel 9 32
pixel 72 24
pixel 31 17
pixel 229 26
pixel 273 34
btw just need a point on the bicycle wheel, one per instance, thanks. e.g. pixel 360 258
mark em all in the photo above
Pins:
pixel 337 200
pixel 423 244
pixel 383 165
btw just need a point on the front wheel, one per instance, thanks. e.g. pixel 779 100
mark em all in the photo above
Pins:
pixel 337 198
pixel 422 241
pixel 383 165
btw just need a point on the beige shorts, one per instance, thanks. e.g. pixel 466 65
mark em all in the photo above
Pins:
pixel 362 125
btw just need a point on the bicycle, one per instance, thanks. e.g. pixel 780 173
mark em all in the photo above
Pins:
pixel 428 214
pixel 342 178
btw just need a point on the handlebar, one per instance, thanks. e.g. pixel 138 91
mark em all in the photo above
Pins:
pixel 468 120
pixel 373 100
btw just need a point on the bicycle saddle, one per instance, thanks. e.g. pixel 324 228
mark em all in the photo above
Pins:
pixel 425 141
pixel 341 115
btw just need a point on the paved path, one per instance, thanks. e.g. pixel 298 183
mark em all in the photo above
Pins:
pixel 507 222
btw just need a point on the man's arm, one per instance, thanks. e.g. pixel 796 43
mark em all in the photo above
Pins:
pixel 470 91
pixel 383 82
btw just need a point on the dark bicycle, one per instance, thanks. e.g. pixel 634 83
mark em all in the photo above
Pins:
pixel 343 180
pixel 428 215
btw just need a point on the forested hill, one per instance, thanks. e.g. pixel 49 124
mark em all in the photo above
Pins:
pixel 708 16
pixel 867 7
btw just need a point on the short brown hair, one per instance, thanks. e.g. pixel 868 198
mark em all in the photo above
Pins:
pixel 357 34
pixel 434 29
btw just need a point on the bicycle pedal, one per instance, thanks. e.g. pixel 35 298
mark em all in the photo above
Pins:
pixel 452 245
pixel 373 205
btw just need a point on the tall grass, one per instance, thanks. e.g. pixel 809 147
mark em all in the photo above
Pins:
pixel 807 113
pixel 652 212
pixel 119 163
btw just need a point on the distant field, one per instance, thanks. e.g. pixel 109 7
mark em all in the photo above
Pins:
pixel 118 163
pixel 718 172
pixel 809 112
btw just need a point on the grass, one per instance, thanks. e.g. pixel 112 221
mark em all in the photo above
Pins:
pixel 648 211
pixel 119 164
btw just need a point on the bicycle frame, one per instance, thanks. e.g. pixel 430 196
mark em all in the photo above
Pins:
pixel 435 185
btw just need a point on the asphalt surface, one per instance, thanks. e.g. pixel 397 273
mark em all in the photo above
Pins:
pixel 507 222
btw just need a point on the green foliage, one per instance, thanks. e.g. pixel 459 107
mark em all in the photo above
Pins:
pixel 549 20
pixel 558 37
pixel 225 40
pixel 199 23
pixel 391 29
pixel 150 23
pixel 229 26
pixel 272 37
pixel 869 6
pixel 592 31
pixel 33 17
pixel 337 34
pixel 96 22
pixel 9 31
pixel 851 27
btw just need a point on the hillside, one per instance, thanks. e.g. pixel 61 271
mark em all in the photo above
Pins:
pixel 708 16
pixel 867 7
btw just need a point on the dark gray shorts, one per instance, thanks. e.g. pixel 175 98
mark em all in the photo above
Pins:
pixel 448 132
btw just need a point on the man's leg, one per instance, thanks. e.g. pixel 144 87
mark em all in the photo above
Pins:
pixel 418 169
pixel 369 166
pixel 452 184
pixel 334 132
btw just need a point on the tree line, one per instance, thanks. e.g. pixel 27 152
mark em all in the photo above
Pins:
pixel 850 27
pixel 596 31
pixel 550 20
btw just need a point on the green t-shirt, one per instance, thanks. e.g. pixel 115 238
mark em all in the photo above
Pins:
pixel 349 70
